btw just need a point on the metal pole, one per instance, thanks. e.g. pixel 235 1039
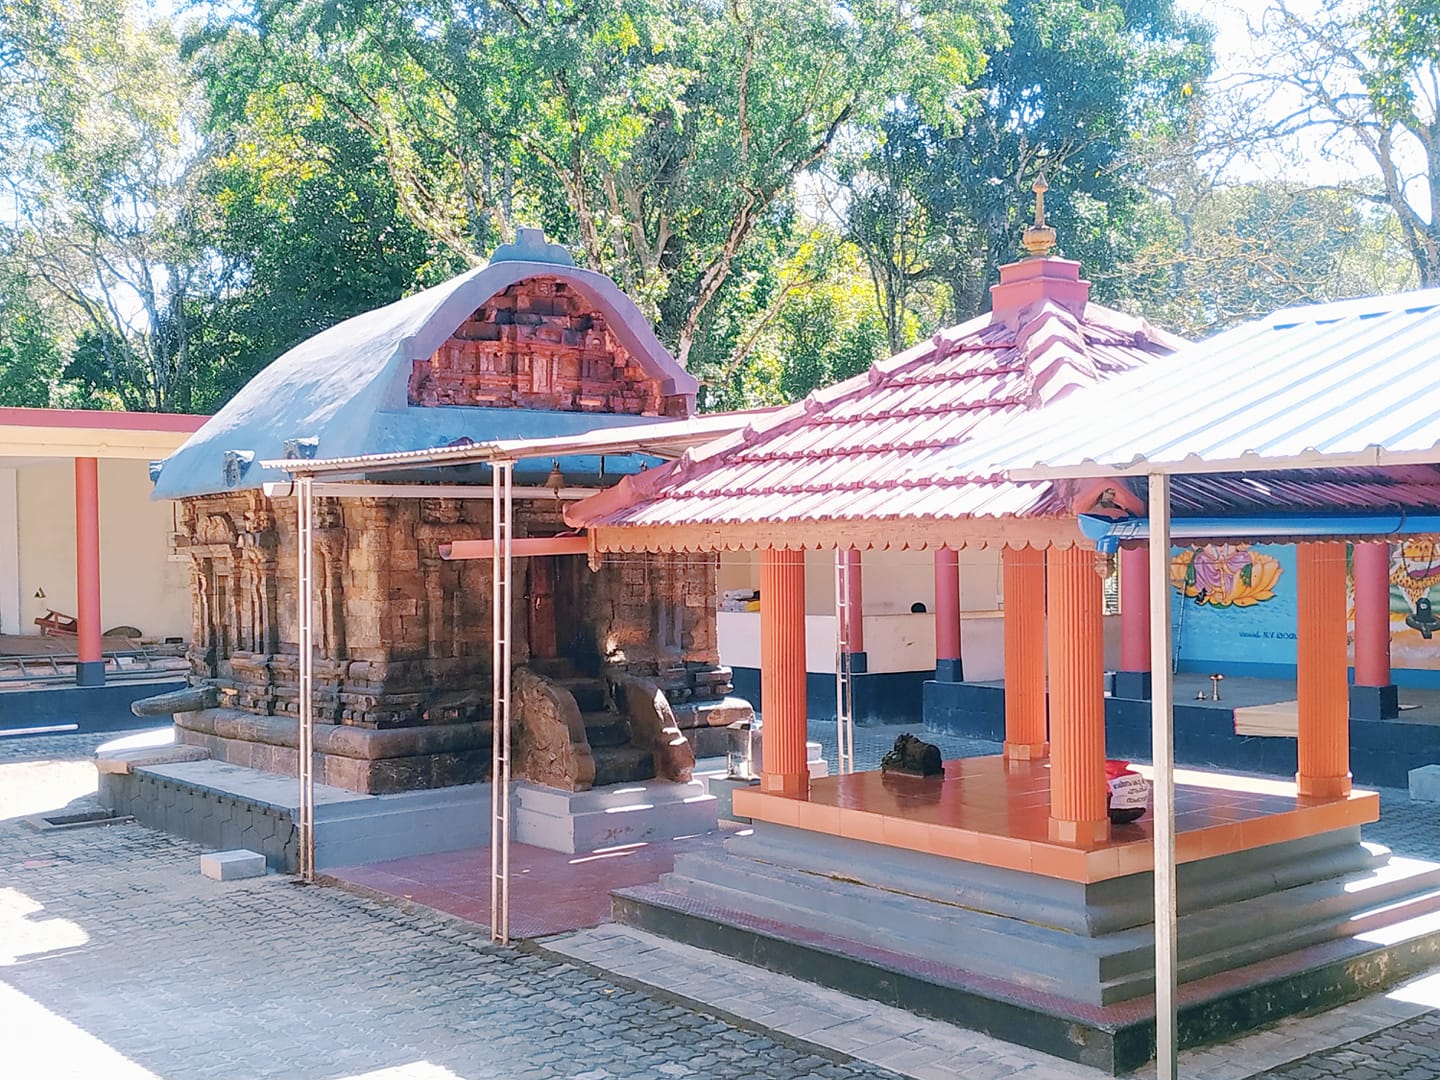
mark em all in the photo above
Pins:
pixel 305 513
pixel 1162 751
pixel 501 603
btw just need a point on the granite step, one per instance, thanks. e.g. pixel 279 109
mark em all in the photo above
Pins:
pixel 605 729
pixel 622 764
pixel 590 695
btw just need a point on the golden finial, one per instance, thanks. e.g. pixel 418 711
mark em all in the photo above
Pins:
pixel 1039 238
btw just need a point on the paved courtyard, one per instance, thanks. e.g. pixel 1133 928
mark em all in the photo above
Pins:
pixel 118 961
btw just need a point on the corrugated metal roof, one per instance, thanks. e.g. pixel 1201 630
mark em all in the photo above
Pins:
pixel 660 439
pixel 876 446
pixel 1353 383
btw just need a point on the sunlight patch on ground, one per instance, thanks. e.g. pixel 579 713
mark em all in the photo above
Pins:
pixel 25 933
pixel 32 787
pixel 1422 991
pixel 39 1042
pixel 416 1070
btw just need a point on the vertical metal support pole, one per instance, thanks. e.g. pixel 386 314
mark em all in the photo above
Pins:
pixel 1162 751
pixel 305 512
pixel 501 611
pixel 844 695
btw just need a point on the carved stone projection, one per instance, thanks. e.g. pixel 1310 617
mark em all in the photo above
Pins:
pixel 539 345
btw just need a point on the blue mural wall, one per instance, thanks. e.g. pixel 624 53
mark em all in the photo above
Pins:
pixel 1233 608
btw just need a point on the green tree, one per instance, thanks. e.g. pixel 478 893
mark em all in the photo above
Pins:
pixel 1078 92
pixel 101 167
pixel 658 138
pixel 1362 77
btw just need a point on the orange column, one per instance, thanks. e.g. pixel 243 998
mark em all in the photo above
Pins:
pixel 855 607
pixel 90 671
pixel 1324 743
pixel 1024 585
pixel 948 667
pixel 1076 647
pixel 782 672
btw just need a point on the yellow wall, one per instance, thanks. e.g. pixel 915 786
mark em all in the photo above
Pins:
pixel 139 584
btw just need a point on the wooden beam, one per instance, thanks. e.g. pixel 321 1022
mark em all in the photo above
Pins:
pixel 520 547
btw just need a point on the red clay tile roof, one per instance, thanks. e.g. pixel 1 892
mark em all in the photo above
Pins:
pixel 871 447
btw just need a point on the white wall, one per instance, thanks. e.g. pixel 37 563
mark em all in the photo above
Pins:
pixel 139 584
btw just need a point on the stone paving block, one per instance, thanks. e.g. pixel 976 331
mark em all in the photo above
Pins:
pixel 232 865
pixel 1425 784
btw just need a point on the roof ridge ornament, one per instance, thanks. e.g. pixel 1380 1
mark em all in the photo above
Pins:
pixel 1039 238
pixel 531 246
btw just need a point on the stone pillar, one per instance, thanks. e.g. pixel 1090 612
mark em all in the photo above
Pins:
pixel 948 666
pixel 855 607
pixel 1324 735
pixel 90 671
pixel 1373 697
pixel 1076 648
pixel 1024 584
pixel 782 672
pixel 1133 678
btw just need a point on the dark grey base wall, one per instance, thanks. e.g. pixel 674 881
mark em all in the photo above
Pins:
pixel 91 708
pixel 212 819
pixel 1382 752
pixel 880 697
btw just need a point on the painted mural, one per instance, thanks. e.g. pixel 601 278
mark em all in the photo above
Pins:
pixel 1235 604
pixel 1414 596
pixel 1225 575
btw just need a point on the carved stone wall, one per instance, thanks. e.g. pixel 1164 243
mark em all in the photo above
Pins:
pixel 403 638
pixel 539 345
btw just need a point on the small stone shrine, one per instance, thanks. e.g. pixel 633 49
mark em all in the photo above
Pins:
pixel 610 661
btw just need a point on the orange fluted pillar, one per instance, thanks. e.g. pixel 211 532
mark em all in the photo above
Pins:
pixel 1024 584
pixel 948 666
pixel 782 672
pixel 1324 742
pixel 1373 697
pixel 1076 647
pixel 90 671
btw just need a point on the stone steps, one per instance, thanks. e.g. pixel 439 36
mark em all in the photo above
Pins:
pixel 605 729
pixel 622 765
pixel 611 817
pixel 1042 936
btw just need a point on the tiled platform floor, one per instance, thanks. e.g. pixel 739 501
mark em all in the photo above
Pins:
pixel 987 811
pixel 550 891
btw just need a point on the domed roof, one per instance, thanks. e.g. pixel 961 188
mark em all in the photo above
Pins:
pixel 344 392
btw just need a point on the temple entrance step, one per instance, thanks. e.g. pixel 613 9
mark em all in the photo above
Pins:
pixel 604 729
pixel 553 668
pixel 591 695
pixel 632 813
pixel 622 764
pixel 1026 959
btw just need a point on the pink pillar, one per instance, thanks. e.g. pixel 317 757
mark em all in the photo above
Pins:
pixel 1373 697
pixel 855 607
pixel 90 671
pixel 948 667
pixel 1133 678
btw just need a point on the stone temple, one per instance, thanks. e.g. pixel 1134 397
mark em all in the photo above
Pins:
pixel 609 661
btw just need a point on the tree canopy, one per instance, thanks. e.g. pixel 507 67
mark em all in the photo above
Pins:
pixel 788 190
